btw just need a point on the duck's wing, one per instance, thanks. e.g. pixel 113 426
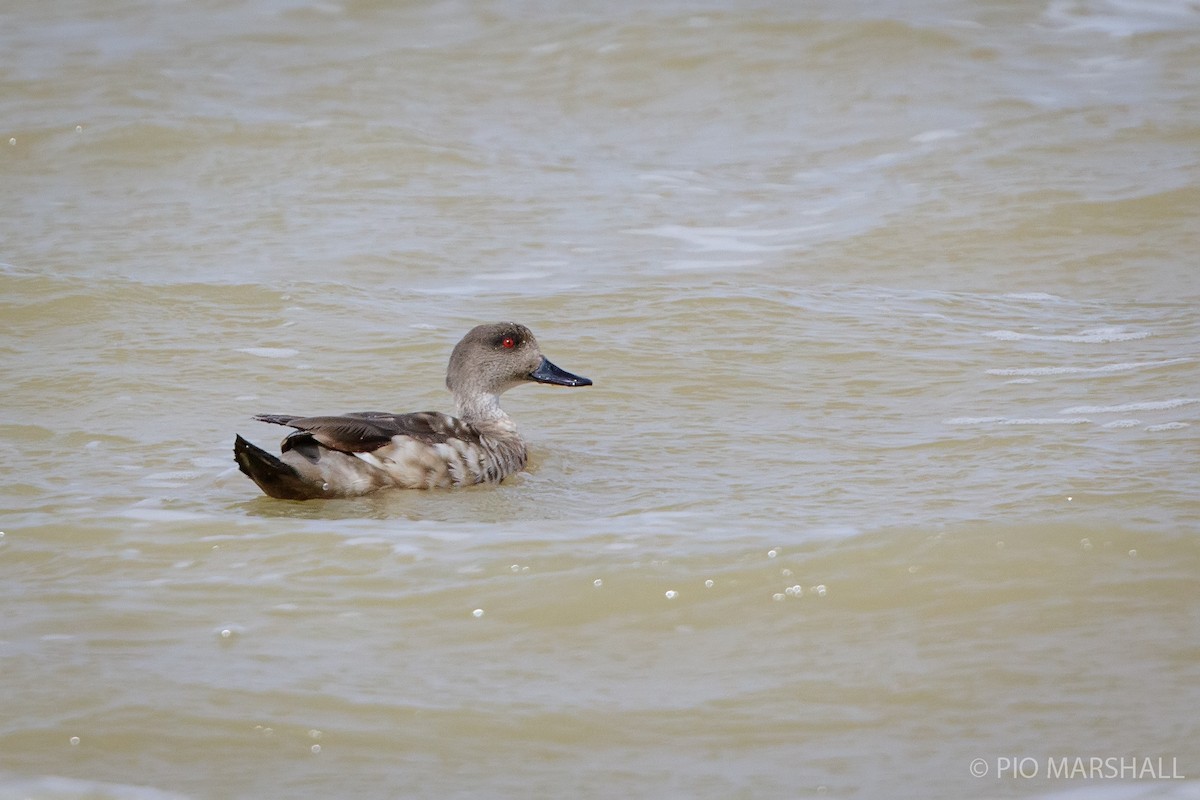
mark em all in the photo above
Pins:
pixel 366 431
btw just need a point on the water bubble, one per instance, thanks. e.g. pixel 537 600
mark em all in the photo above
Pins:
pixel 772 553
pixel 316 748
pixel 74 741
pixel 598 583
pixel 913 569
pixel 226 633
pixel 794 591
pixel 13 140
pixel 324 487
pixel 708 584
pixel 1085 543
pixel 477 613
pixel 787 573
pixel 515 568
pixel 820 590
pixel 314 734
pixel 79 129
pixel 671 594
pixel 778 596
pixel 1069 498
pixel 1133 553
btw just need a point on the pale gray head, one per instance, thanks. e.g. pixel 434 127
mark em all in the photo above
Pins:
pixel 491 359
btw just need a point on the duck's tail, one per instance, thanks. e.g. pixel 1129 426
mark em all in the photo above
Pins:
pixel 272 475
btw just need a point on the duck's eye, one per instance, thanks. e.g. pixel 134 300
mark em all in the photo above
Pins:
pixel 508 342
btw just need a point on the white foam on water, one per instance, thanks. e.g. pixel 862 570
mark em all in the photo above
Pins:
pixel 695 265
pixel 935 136
pixel 1037 297
pixel 1157 405
pixel 1101 370
pixel 366 541
pixel 1089 336
pixel 1167 426
pixel 728 240
pixel 1121 18
pixel 675 178
pixel 516 275
pixel 269 352
pixel 1017 421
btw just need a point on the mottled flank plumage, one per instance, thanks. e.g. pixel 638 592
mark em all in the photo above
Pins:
pixel 359 453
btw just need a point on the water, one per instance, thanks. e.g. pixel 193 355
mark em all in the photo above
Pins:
pixel 889 464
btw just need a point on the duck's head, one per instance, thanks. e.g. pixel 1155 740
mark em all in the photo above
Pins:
pixel 491 359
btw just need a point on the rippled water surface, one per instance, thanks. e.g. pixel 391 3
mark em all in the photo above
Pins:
pixel 889 464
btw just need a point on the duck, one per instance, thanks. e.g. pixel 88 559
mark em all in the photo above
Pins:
pixel 355 454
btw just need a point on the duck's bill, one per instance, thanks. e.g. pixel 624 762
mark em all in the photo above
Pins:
pixel 548 373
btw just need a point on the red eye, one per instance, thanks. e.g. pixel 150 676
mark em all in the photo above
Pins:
pixel 509 342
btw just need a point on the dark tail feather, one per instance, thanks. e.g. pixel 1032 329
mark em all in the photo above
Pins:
pixel 272 475
pixel 277 419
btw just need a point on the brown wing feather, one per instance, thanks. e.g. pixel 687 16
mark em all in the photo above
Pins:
pixel 427 426
pixel 364 431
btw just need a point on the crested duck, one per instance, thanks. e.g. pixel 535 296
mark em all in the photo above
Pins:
pixel 355 454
